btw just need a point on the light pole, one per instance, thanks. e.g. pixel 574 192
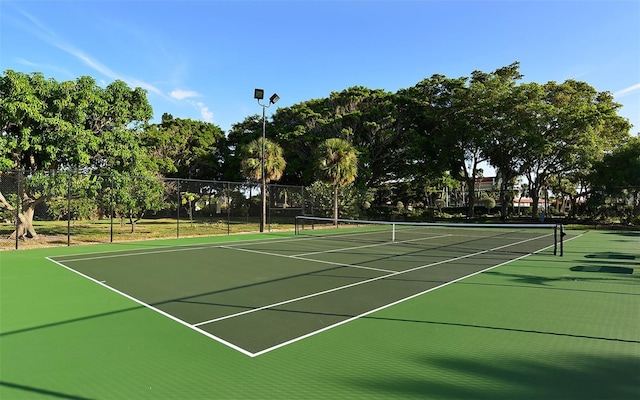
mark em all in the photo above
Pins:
pixel 258 94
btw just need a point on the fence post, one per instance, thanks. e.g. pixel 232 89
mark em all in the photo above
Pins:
pixel 69 209
pixel 111 207
pixel 178 211
pixel 18 203
pixel 269 207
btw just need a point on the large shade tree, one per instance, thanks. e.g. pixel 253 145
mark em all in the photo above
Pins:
pixel 365 117
pixel 443 135
pixel 566 126
pixel 186 148
pixel 237 140
pixel 618 174
pixel 70 126
pixel 504 141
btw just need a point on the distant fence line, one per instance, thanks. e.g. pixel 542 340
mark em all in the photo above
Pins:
pixel 70 207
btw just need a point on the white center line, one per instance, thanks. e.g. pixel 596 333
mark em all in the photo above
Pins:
pixel 356 283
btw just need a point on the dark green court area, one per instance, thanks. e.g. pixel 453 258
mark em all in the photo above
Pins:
pixel 257 296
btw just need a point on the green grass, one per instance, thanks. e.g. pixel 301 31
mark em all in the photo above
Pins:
pixel 530 329
pixel 54 233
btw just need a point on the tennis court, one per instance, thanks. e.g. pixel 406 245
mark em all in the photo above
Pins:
pixel 349 315
pixel 257 296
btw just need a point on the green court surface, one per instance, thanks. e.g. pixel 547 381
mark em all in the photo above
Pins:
pixel 282 316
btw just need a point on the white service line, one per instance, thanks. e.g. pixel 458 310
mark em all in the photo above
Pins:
pixel 326 328
pixel 149 306
pixel 170 249
pixel 356 283
pixel 196 328
pixel 266 253
pixel 369 245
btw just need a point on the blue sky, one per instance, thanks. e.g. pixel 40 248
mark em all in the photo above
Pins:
pixel 202 59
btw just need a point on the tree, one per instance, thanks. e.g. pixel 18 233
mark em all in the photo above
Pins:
pixel 274 162
pixel 185 148
pixel 136 193
pixel 263 160
pixel 617 174
pixel 73 125
pixel 337 165
pixel 364 117
pixel 237 139
pixel 497 112
pixel 565 126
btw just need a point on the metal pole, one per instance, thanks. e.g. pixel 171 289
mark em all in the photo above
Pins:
pixel 178 211
pixel 112 201
pixel 69 211
pixel 258 94
pixel 263 177
pixel 562 235
pixel 18 203
pixel 228 208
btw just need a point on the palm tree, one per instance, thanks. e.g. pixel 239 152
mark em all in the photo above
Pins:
pixel 337 166
pixel 274 164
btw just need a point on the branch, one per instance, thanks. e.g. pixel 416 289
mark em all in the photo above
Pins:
pixel 5 203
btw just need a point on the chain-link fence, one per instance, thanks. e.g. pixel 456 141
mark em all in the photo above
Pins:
pixel 66 208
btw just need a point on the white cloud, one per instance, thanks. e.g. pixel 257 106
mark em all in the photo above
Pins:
pixel 625 91
pixel 183 94
pixel 206 114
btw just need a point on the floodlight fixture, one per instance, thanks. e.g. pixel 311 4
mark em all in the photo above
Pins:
pixel 258 94
pixel 274 98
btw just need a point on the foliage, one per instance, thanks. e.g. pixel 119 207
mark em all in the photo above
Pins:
pixel 618 176
pixel 415 146
pixel 337 165
pixel 489 203
pixel 351 201
pixel 274 162
pixel 185 148
pixel 364 117
pixel 72 125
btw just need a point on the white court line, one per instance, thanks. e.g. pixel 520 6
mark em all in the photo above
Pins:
pixel 266 253
pixel 326 328
pixel 368 245
pixel 356 283
pixel 250 354
pixel 173 248
pixel 149 306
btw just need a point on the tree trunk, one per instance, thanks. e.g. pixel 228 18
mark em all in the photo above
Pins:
pixel 24 226
pixel 335 205
pixel 503 200
pixel 133 223
pixel 535 200
pixel 471 196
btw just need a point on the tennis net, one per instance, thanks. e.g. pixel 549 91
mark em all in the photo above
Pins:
pixel 508 237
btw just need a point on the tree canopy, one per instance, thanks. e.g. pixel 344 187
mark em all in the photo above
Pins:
pixel 442 129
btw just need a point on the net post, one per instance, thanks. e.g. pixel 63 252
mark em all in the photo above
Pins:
pixel 393 232
pixel 555 239
pixel 562 235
